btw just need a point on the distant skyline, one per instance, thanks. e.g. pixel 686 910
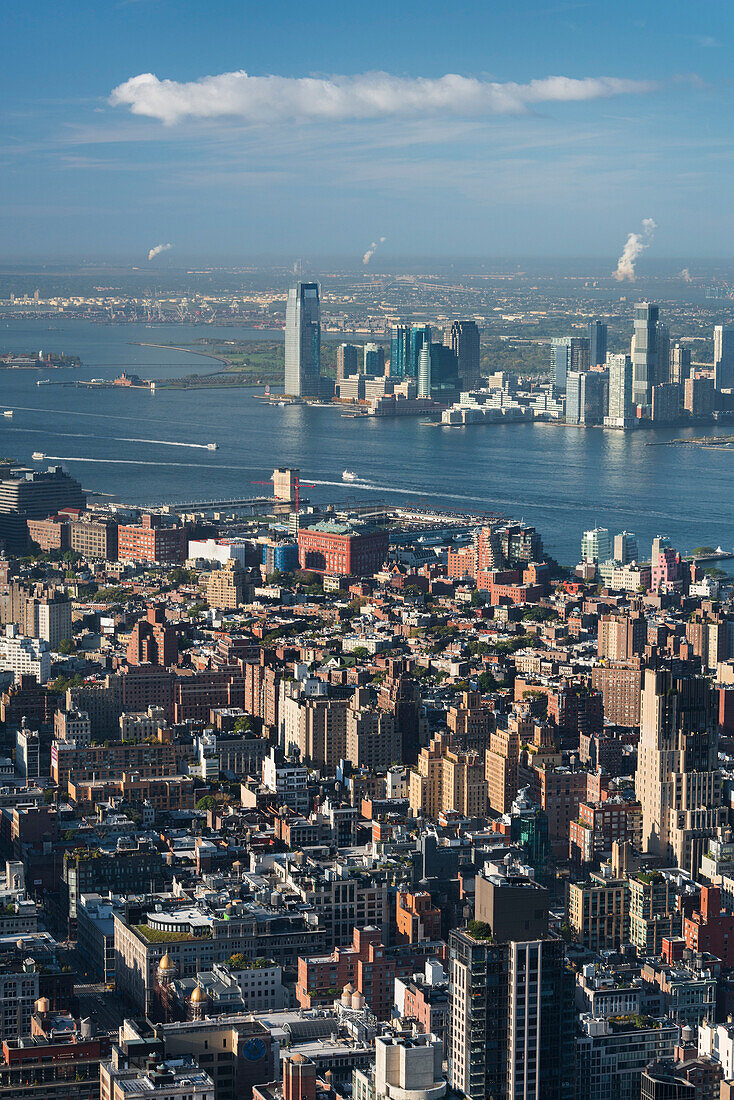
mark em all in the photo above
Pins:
pixel 184 132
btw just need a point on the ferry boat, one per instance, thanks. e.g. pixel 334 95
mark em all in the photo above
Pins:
pixel 8 413
pixel 38 456
pixel 348 475
pixel 212 446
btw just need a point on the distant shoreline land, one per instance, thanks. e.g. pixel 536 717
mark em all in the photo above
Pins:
pixel 51 360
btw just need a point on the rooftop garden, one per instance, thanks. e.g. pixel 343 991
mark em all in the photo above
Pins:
pixel 632 1022
pixel 158 935
pixel 479 930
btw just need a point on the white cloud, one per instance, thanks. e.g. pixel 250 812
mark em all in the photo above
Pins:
pixel 260 99
pixel 157 249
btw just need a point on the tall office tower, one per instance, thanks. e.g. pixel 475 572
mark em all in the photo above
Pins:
pixel 399 351
pixel 625 547
pixel 597 343
pixel 419 335
pixel 678 781
pixel 510 1026
pixel 680 363
pixel 662 372
pixel 644 352
pixel 347 361
pixel 723 357
pixel 568 353
pixel 424 371
pixel 596 545
pixel 621 410
pixel 374 360
pixel 445 381
pixel 303 341
pixel 463 339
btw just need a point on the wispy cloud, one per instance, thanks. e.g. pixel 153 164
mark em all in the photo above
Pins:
pixel 267 99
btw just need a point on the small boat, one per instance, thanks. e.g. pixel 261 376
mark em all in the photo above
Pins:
pixel 43 382
pixel 348 475
pixel 212 446
pixel 8 413
pixel 38 456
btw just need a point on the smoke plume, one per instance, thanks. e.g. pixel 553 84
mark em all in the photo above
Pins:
pixel 372 249
pixel 635 245
pixel 157 249
pixel 685 275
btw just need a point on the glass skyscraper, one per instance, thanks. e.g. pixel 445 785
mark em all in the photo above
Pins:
pixel 645 352
pixel 303 341
pixel 597 343
pixel 568 353
pixel 723 357
pixel 463 339
pixel 399 351
pixel 419 335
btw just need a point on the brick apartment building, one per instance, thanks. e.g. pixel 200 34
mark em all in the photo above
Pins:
pixel 150 541
pixel 153 641
pixel 341 549
pixel 368 965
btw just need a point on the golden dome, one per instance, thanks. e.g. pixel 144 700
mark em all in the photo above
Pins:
pixel 166 963
pixel 198 995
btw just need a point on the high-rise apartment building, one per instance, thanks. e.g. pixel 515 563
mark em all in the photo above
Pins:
pixel 680 363
pixel 698 396
pixel 666 402
pixel 596 545
pixel 723 357
pixel 621 637
pixel 568 353
pixel 347 361
pixel 662 373
pixel 226 587
pixel 678 780
pixel 510 1031
pixel 424 371
pixel 463 339
pixel 597 343
pixel 621 410
pixel 303 341
pixel 502 758
pixel 372 737
pixel 448 779
pixel 585 396
pixel 625 547
pixel 644 352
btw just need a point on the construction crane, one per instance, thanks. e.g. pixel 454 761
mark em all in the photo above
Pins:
pixel 297 483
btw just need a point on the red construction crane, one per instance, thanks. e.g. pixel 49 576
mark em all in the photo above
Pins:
pixel 297 483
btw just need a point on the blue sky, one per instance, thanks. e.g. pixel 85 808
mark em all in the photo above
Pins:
pixel 498 163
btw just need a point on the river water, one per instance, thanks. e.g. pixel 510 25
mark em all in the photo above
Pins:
pixel 140 447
